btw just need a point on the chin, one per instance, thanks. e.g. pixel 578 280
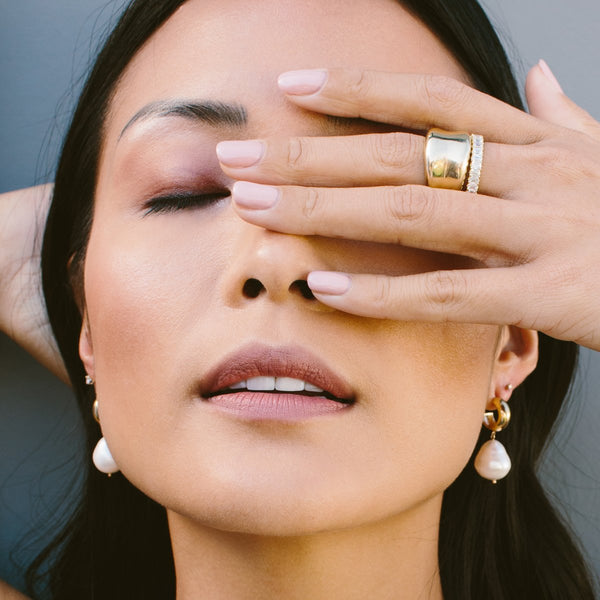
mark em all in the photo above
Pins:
pixel 296 508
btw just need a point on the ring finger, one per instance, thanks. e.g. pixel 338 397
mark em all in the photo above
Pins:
pixel 352 161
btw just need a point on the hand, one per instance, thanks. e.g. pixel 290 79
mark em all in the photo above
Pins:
pixel 22 310
pixel 534 227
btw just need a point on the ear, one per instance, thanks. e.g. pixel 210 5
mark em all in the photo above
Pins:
pixel 516 357
pixel 86 348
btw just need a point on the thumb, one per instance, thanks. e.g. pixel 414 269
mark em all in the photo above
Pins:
pixel 547 101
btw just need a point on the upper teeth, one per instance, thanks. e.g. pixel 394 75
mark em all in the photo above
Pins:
pixel 282 384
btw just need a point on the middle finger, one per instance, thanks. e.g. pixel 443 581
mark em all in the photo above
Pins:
pixel 485 228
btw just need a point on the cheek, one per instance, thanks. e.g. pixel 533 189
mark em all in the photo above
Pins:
pixel 147 290
pixel 145 282
pixel 151 302
pixel 429 401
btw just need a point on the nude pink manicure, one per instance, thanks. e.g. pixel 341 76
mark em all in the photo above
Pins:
pixel 302 83
pixel 254 195
pixel 239 154
pixel 327 282
pixel 549 75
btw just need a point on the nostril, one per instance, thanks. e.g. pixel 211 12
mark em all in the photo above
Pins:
pixel 252 288
pixel 301 286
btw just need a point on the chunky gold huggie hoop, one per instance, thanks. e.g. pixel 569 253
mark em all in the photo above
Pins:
pixel 495 424
pixel 492 461
pixel 95 411
pixel 447 156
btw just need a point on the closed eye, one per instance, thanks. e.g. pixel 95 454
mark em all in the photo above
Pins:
pixel 182 201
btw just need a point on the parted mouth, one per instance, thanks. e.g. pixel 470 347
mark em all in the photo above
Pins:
pixel 276 370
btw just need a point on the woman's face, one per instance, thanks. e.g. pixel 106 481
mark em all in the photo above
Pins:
pixel 170 315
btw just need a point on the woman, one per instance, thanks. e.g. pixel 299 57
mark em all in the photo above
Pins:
pixel 178 303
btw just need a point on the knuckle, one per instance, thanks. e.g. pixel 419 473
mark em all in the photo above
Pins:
pixel 559 162
pixel 360 83
pixel 444 289
pixel 563 276
pixel 443 93
pixel 297 151
pixel 382 292
pixel 547 157
pixel 312 204
pixel 406 203
pixel 391 150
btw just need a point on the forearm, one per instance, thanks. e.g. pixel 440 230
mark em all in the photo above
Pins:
pixel 9 593
pixel 22 311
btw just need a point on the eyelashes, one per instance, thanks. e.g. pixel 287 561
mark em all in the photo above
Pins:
pixel 183 201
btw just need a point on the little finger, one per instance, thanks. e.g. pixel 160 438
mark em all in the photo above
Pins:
pixel 463 296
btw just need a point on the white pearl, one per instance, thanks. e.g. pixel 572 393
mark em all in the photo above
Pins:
pixel 492 461
pixel 103 459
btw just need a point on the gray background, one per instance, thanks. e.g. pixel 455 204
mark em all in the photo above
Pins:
pixel 44 49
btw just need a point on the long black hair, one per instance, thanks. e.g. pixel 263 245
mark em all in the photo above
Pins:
pixel 496 542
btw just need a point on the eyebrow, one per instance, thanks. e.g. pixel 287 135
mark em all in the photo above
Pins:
pixel 205 111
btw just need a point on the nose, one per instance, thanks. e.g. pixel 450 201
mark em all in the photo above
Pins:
pixel 271 266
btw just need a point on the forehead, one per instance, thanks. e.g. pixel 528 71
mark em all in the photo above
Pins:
pixel 233 50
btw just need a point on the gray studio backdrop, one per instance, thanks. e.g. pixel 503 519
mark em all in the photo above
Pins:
pixel 44 48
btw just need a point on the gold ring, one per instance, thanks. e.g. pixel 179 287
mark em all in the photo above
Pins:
pixel 447 155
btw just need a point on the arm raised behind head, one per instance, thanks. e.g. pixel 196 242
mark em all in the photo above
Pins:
pixel 22 312
pixel 9 593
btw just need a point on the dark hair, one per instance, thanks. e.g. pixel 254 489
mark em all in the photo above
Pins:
pixel 497 542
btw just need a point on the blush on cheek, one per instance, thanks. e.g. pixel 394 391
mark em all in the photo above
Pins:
pixel 145 287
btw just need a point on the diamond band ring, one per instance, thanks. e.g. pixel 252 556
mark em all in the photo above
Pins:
pixel 475 163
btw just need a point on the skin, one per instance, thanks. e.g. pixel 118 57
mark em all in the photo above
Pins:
pixel 22 310
pixel 557 275
pixel 543 242
pixel 9 593
pixel 337 506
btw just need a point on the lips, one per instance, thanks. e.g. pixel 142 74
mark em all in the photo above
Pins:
pixel 282 362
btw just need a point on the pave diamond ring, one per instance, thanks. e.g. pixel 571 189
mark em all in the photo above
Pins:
pixel 475 163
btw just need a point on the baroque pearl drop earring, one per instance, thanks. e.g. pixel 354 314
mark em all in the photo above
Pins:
pixel 102 458
pixel 492 461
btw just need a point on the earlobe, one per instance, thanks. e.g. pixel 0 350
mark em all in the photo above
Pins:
pixel 86 349
pixel 516 358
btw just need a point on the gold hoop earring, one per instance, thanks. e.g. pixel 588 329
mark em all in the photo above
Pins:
pixel 492 461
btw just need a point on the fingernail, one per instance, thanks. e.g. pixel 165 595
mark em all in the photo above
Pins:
pixel 254 195
pixel 326 282
pixel 301 83
pixel 549 75
pixel 243 153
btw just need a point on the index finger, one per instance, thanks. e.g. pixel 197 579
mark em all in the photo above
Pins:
pixel 410 101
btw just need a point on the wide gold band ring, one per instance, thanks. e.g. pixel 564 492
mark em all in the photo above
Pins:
pixel 447 155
